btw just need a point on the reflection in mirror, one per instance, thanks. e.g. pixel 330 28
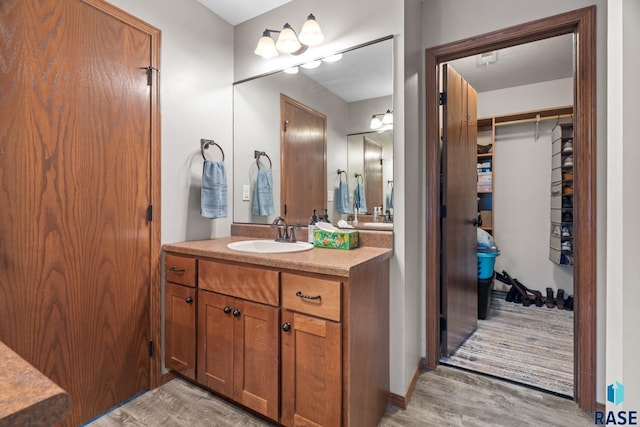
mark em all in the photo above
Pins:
pixel 345 94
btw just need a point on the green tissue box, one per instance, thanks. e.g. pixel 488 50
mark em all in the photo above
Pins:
pixel 335 240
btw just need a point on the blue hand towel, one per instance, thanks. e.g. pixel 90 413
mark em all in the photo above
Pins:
pixel 213 198
pixel 263 195
pixel 358 199
pixel 390 199
pixel 342 198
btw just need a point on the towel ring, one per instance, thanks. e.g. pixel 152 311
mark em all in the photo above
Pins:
pixel 340 172
pixel 257 154
pixel 205 143
pixel 359 175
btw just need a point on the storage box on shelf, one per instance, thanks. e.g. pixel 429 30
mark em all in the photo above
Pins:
pixel 486 148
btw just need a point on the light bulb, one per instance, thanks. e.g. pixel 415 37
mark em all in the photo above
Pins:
pixel 310 34
pixel 387 118
pixel 287 40
pixel 266 46
pixel 333 58
pixel 312 64
pixel 376 123
pixel 292 70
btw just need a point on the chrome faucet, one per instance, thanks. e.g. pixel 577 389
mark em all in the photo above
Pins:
pixel 284 232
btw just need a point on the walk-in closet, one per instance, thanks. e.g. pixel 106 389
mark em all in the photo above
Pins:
pixel 525 97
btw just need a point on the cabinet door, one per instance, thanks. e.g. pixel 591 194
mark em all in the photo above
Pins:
pixel 180 329
pixel 311 371
pixel 256 361
pixel 215 342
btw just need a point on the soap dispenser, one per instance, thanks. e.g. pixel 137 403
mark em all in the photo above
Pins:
pixel 312 226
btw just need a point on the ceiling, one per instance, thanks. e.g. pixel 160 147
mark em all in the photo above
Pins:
pixel 535 62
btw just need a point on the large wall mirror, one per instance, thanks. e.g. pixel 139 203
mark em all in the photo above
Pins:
pixel 296 128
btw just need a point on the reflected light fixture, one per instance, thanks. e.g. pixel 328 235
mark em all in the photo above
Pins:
pixel 288 41
pixel 382 119
pixel 292 70
pixel 333 58
pixel 312 64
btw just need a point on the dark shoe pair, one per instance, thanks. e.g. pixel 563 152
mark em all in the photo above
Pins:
pixel 568 305
pixel 550 300
pixel 560 299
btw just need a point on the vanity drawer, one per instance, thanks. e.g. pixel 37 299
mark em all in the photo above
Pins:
pixel 254 284
pixel 317 297
pixel 179 269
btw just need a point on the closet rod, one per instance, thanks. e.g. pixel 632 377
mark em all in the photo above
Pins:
pixel 512 122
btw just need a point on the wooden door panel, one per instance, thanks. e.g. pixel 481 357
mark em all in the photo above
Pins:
pixel 372 173
pixel 180 329
pixel 459 278
pixel 75 269
pixel 311 371
pixel 215 342
pixel 303 161
pixel 256 358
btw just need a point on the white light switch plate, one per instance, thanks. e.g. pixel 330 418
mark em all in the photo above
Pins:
pixel 329 196
pixel 246 190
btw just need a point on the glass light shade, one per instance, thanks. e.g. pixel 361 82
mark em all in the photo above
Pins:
pixel 312 64
pixel 333 58
pixel 287 40
pixel 266 46
pixel 387 118
pixel 310 34
pixel 292 70
pixel 376 123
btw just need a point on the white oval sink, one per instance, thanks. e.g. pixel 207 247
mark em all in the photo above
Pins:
pixel 377 225
pixel 269 246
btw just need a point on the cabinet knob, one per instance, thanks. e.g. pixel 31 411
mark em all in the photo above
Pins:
pixel 286 327
pixel 227 310
pixel 236 313
pixel 188 300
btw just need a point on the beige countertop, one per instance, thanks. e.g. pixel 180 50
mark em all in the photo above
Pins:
pixel 27 397
pixel 334 262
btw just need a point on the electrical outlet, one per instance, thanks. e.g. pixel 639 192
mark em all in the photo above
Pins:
pixel 246 191
pixel 329 196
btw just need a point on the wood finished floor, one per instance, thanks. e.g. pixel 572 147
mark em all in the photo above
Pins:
pixel 530 345
pixel 442 397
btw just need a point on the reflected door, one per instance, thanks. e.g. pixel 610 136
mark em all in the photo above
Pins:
pixel 372 173
pixel 304 167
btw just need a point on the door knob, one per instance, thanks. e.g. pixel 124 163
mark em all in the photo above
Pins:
pixel 188 300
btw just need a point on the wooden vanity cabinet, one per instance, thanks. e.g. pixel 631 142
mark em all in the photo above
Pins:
pixel 237 338
pixel 180 315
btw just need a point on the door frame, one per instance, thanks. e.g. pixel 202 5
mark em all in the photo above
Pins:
pixel 155 290
pixel 582 23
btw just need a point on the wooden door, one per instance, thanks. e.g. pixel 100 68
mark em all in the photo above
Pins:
pixel 303 174
pixel 311 371
pixel 180 329
pixel 255 355
pixel 372 173
pixel 75 184
pixel 215 342
pixel 459 260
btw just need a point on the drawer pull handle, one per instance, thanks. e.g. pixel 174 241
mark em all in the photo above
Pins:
pixel 301 295
pixel 177 270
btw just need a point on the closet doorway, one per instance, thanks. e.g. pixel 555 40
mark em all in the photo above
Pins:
pixel 582 24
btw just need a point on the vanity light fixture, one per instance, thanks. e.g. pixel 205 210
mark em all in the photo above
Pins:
pixel 382 119
pixel 288 41
pixel 312 64
pixel 333 58
pixel 291 70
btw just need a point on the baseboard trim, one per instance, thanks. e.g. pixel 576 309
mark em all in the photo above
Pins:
pixel 165 378
pixel 402 401
pixel 601 407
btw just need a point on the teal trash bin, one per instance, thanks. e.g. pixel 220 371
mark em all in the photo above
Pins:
pixel 486 265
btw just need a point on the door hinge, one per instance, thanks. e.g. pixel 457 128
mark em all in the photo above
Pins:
pixel 442 99
pixel 443 324
pixel 150 348
pixel 286 125
pixel 150 70
pixel 443 211
pixel 150 213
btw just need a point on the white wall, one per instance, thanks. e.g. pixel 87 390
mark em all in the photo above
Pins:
pixel 196 73
pixel 445 21
pixel 623 230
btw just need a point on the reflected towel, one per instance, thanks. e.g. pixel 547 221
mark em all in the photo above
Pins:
pixel 213 198
pixel 358 199
pixel 390 198
pixel 263 195
pixel 342 198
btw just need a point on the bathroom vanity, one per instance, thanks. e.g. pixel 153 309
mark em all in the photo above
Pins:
pixel 301 338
